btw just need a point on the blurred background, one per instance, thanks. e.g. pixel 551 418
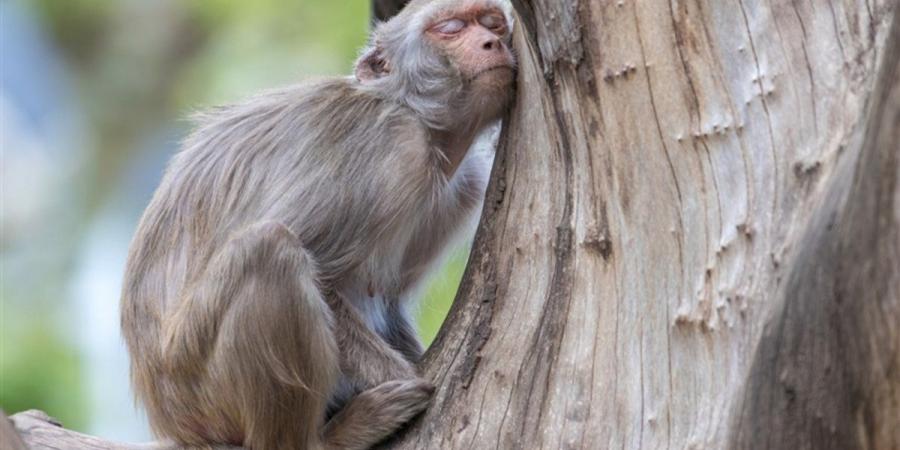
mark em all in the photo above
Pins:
pixel 93 100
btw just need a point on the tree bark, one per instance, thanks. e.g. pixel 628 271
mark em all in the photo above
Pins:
pixel 42 432
pixel 9 438
pixel 691 238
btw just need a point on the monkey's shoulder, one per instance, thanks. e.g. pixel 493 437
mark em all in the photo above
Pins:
pixel 333 115
pixel 305 147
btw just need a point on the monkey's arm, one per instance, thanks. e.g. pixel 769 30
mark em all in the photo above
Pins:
pixel 462 197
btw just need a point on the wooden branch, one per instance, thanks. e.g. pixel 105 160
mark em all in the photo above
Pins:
pixel 42 432
pixel 9 439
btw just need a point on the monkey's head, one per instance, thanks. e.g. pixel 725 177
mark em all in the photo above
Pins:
pixel 448 60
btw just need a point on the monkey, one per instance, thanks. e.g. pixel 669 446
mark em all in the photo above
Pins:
pixel 266 299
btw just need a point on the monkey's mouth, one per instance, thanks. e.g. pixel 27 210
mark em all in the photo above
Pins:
pixel 498 67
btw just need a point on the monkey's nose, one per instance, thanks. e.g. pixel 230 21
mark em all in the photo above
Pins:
pixel 491 44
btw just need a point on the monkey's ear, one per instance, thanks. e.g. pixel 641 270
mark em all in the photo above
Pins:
pixel 371 65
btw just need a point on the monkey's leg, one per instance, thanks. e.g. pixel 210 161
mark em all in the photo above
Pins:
pixel 392 392
pixel 259 333
pixel 401 334
pixel 366 358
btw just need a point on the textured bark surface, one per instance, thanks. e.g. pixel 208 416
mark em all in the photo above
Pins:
pixel 691 239
pixel 825 374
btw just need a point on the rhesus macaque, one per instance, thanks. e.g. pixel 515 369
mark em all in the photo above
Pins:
pixel 266 296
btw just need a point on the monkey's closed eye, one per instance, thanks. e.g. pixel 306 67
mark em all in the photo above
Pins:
pixel 450 26
pixel 493 22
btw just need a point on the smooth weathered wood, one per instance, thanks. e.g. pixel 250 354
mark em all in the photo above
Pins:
pixel 691 238
pixel 40 431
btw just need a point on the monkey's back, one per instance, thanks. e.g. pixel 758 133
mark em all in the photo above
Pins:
pixel 347 190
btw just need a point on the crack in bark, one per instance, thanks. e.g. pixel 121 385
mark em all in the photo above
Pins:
pixel 809 71
pixel 762 97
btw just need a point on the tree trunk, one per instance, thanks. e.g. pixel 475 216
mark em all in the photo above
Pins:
pixel 725 275
pixel 692 238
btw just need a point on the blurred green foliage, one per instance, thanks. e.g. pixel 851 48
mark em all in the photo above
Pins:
pixel 439 296
pixel 139 66
pixel 40 369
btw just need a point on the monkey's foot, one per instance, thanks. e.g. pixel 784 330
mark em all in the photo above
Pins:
pixel 376 413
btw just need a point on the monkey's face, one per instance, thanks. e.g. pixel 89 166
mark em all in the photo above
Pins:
pixel 476 41
pixel 448 60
